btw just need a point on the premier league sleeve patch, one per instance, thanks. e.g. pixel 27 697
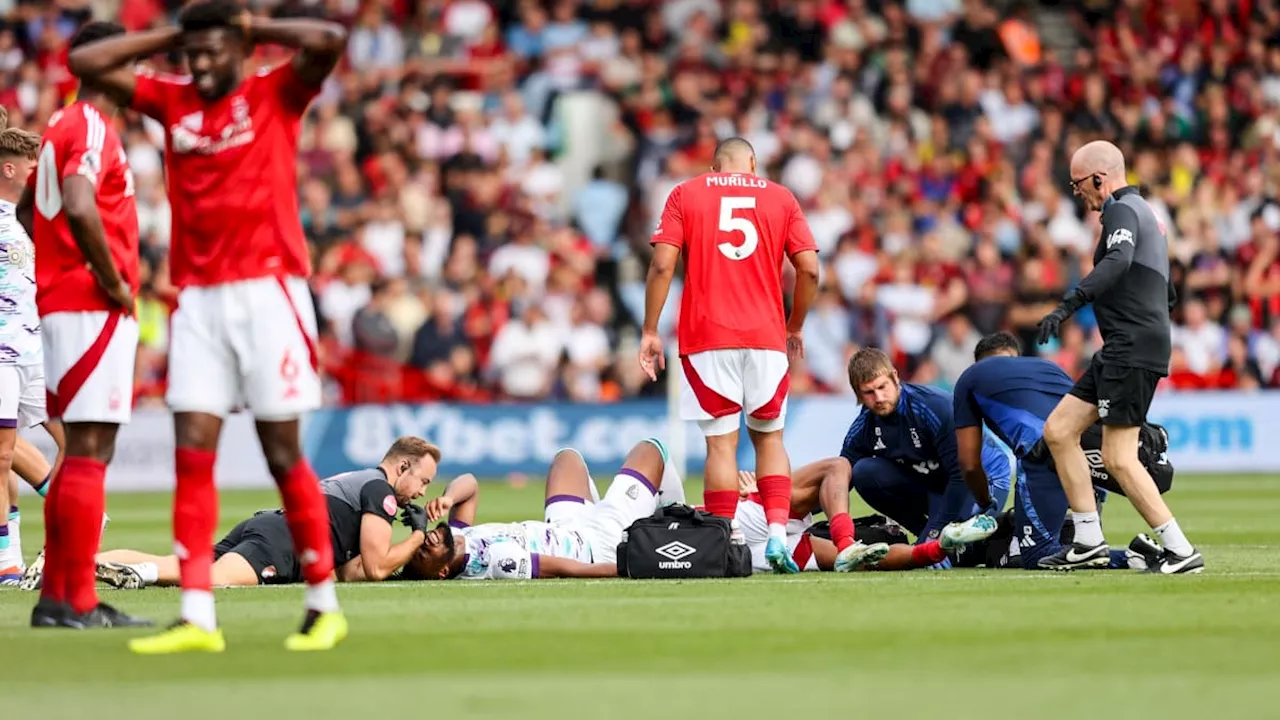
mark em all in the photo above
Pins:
pixel 389 505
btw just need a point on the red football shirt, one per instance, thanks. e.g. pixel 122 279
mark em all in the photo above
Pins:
pixel 80 141
pixel 733 231
pixel 231 175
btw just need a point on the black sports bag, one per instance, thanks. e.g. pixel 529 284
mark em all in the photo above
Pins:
pixel 678 541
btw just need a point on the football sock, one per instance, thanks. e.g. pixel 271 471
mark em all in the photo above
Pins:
pixel 775 495
pixel 307 514
pixel 197 609
pixel 4 537
pixel 672 488
pixel 1173 540
pixel 148 571
pixel 842 531
pixel 322 597
pixel 926 554
pixel 52 587
pixel 13 513
pixel 721 503
pixel 80 504
pixel 43 488
pixel 1088 529
pixel 195 518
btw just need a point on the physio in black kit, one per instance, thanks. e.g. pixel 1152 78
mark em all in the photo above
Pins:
pixel 1132 296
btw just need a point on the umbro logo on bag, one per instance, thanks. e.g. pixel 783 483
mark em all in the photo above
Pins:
pixel 675 552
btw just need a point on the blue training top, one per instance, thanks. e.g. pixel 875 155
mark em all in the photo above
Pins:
pixel 1013 396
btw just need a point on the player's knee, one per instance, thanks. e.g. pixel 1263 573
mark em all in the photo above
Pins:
pixel 645 458
pixel 198 431
pixel 567 460
pixel 1121 461
pixel 867 472
pixel 1059 433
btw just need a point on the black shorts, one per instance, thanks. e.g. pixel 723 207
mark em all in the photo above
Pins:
pixel 264 541
pixel 1121 394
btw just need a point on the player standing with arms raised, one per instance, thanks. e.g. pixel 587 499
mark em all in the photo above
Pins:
pixel 85 225
pixel 244 332
pixel 1131 295
pixel 733 230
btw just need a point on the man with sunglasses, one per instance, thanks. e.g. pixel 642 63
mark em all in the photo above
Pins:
pixel 1132 296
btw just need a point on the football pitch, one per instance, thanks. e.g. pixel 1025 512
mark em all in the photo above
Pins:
pixel 967 643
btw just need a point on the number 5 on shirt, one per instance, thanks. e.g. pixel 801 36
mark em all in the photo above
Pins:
pixel 729 223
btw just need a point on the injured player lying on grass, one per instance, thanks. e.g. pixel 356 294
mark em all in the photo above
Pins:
pixel 881 544
pixel 577 538
pixel 362 509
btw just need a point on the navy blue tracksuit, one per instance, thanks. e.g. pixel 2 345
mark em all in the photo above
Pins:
pixel 905 465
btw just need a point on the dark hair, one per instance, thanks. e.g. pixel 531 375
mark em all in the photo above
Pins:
pixel 94 31
pixel 996 342
pixel 209 15
pixel 731 148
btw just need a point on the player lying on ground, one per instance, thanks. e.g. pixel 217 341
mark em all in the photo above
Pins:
pixel 362 510
pixel 576 538
pixel 1012 396
pixel 901 454
pixel 812 489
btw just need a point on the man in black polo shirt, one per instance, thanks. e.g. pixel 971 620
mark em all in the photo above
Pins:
pixel 362 509
pixel 1131 295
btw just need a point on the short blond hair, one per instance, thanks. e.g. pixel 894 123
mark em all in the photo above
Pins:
pixel 411 448
pixel 868 364
pixel 18 143
pixel 4 118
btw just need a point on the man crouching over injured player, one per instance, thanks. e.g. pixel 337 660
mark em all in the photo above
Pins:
pixel 577 538
pixel 362 509
pixel 825 486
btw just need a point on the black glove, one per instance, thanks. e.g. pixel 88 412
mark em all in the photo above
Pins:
pixel 1051 324
pixel 415 517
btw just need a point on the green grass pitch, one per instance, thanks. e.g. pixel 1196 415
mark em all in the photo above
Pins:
pixel 969 643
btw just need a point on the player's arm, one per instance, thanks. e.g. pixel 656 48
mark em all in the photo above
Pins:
pixel 956 494
pixel 1120 233
pixel 833 493
pixel 554 567
pixel 967 419
pixel 667 241
pixel 857 444
pixel 108 62
pixel 80 204
pixel 460 499
pixel 378 555
pixel 320 43
pixel 803 252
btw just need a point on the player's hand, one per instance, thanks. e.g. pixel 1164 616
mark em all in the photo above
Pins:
pixel 795 345
pixel 1050 325
pixel 121 295
pixel 652 356
pixel 414 517
pixel 746 484
pixel 439 507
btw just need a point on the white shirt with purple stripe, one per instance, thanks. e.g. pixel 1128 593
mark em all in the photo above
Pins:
pixel 19 320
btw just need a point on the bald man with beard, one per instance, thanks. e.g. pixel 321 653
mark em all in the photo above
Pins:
pixel 1132 295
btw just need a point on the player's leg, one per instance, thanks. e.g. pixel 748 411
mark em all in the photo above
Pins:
pixel 766 381
pixel 281 382
pixel 892 493
pixel 10 390
pixel 1062 431
pixel 632 495
pixel 711 396
pixel 131 570
pixel 203 388
pixel 89 362
pixel 1120 455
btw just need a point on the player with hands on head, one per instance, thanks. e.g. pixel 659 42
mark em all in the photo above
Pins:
pixel 733 229
pixel 244 333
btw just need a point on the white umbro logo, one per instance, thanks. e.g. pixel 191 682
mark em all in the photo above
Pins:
pixel 676 550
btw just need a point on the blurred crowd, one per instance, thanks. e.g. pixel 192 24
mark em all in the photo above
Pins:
pixel 479 179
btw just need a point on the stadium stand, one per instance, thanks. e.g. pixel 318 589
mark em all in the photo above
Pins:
pixel 479 179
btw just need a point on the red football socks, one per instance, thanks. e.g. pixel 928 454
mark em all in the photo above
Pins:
pixel 195 517
pixel 307 513
pixel 52 587
pixel 81 500
pixel 775 495
pixel 721 503
pixel 842 531
pixel 926 554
